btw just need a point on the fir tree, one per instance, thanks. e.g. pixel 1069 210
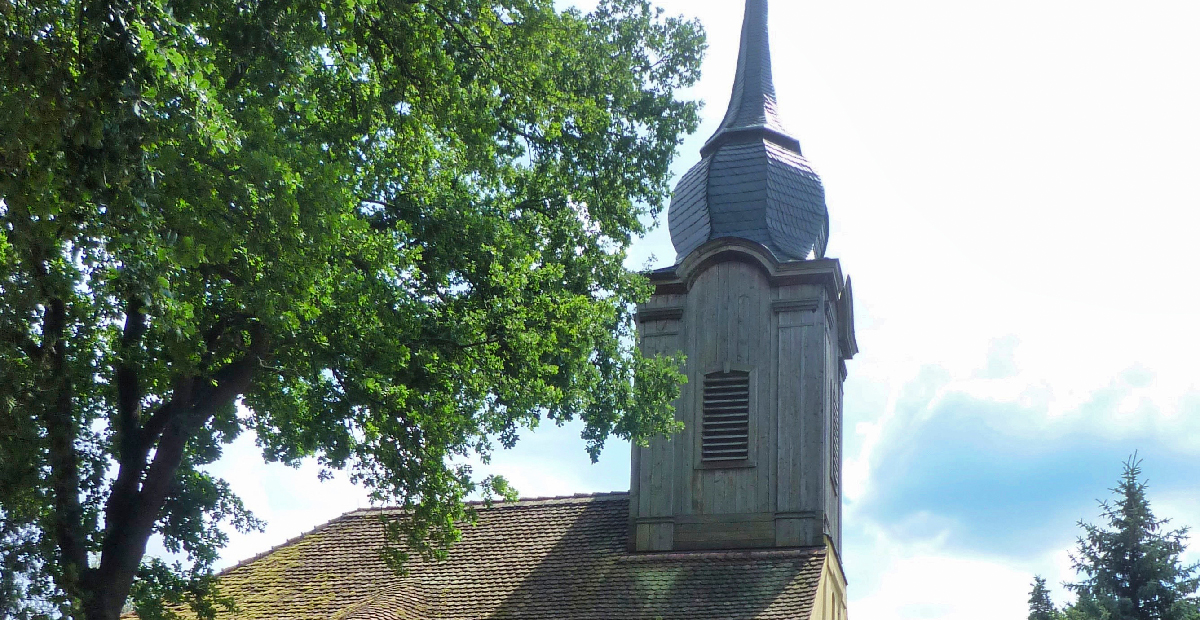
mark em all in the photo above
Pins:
pixel 1040 605
pixel 1131 567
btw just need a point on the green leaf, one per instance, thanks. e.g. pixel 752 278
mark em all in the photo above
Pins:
pixel 385 234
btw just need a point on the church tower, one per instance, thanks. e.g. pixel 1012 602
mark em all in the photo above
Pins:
pixel 766 323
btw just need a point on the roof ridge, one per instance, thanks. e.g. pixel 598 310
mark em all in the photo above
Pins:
pixel 577 498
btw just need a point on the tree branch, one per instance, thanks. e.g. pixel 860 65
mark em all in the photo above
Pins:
pixel 61 432
pixel 462 35
pixel 131 517
pixel 129 393
pixel 534 138
pixel 24 343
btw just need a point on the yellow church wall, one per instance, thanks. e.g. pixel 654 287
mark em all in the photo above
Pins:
pixel 830 603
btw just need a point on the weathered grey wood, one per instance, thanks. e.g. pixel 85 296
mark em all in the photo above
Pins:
pixel 725 534
pixel 731 307
pixel 661 536
pixel 789 407
pixel 642 537
pixel 788 532
pixel 660 335
pixel 768 470
pixel 813 404
pixel 727 518
pixel 646 481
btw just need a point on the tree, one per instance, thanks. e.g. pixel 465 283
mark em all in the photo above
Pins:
pixel 1040 605
pixel 382 233
pixel 1132 569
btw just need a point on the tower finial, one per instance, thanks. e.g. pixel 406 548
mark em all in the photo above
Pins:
pixel 751 182
pixel 752 105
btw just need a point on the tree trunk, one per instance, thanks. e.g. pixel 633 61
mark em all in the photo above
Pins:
pixel 133 510
pixel 104 605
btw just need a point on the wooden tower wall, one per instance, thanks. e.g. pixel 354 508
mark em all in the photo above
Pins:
pixel 731 307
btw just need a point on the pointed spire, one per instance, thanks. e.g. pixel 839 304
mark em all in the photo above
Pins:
pixel 751 182
pixel 752 105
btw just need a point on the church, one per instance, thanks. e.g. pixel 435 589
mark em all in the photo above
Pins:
pixel 736 517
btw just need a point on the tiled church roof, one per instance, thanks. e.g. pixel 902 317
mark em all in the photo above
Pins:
pixel 562 558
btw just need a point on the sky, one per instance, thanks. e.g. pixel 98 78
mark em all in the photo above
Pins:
pixel 1014 188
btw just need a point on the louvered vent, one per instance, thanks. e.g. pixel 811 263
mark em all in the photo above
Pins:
pixel 726 427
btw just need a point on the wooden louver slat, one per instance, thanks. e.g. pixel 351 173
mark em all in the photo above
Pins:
pixel 725 430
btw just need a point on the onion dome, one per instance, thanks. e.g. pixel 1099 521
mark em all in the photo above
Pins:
pixel 752 181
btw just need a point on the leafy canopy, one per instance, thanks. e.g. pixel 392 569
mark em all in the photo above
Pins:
pixel 393 230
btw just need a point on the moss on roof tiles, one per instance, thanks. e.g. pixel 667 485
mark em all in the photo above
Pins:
pixel 561 558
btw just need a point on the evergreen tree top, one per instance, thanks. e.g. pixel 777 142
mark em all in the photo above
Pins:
pixel 1131 566
pixel 1040 605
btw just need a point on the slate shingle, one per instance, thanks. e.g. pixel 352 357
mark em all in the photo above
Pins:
pixel 752 180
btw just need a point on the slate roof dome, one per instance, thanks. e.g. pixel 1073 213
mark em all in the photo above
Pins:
pixel 752 181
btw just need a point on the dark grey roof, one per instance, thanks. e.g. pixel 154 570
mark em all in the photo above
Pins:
pixel 752 181
pixel 543 559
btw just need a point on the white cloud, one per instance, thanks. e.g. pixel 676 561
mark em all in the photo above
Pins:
pixel 921 581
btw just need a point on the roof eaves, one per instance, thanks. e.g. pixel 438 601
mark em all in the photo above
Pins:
pixel 289 542
pixel 731 555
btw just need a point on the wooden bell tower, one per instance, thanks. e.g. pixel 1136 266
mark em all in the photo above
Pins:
pixel 766 323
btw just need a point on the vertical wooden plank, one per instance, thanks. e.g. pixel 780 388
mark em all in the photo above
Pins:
pixel 725 481
pixel 645 482
pixel 762 350
pixel 716 297
pixel 702 293
pixel 660 502
pixel 643 464
pixel 634 479
pixel 662 536
pixel 711 357
pixel 790 411
pixel 716 491
pixel 831 375
pixel 653 471
pixel 711 487
pixel 698 317
pixel 715 480
pixel 726 311
pixel 768 455
pixel 723 491
pixel 813 391
pixel 650 475
pixel 639 474
pixel 747 280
